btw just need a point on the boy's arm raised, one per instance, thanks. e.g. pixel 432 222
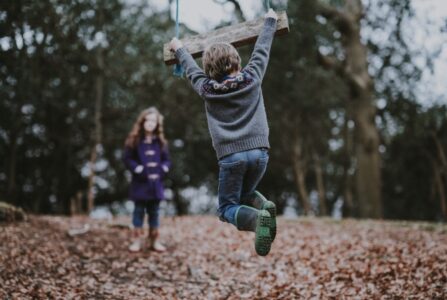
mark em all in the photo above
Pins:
pixel 260 56
pixel 194 73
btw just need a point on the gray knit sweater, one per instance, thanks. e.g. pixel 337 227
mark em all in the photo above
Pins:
pixel 235 108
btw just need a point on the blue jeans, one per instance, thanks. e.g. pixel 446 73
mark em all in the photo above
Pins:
pixel 150 207
pixel 239 175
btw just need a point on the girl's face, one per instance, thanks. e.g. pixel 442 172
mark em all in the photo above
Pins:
pixel 150 122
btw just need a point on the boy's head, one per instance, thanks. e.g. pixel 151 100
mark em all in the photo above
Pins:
pixel 220 59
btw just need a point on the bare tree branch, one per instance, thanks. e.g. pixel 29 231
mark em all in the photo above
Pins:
pixel 355 9
pixel 237 7
pixel 331 63
pixel 344 23
pixel 339 67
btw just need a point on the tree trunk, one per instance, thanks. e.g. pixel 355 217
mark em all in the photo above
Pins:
pixel 181 206
pixel 441 191
pixel 354 69
pixel 12 170
pixel 368 177
pixel 441 174
pixel 76 204
pixel 442 158
pixel 441 153
pixel 320 186
pixel 91 180
pixel 348 203
pixel 98 129
pixel 300 176
pixel 17 126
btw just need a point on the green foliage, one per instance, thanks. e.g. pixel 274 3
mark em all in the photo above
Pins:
pixel 47 90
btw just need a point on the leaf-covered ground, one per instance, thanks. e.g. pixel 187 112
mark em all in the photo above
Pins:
pixel 208 259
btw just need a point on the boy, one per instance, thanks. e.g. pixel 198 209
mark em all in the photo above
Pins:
pixel 238 126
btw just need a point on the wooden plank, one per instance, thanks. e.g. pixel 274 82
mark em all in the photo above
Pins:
pixel 238 35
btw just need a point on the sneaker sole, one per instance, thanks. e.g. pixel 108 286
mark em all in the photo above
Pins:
pixel 263 239
pixel 271 208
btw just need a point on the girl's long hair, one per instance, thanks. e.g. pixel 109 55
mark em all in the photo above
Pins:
pixel 137 132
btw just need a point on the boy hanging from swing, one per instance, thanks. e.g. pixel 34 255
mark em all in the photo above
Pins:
pixel 239 130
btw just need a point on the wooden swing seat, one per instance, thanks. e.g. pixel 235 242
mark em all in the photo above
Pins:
pixel 238 35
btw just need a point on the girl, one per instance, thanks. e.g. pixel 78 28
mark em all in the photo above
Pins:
pixel 146 156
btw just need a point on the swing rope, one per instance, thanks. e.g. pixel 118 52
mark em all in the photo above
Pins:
pixel 267 4
pixel 178 69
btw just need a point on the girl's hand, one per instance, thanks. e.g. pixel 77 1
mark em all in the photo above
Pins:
pixel 139 169
pixel 271 14
pixel 175 44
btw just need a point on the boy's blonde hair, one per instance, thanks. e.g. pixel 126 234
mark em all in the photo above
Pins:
pixel 220 59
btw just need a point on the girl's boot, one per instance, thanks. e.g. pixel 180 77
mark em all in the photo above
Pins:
pixel 153 241
pixel 137 242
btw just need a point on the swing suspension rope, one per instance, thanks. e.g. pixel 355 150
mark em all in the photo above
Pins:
pixel 267 4
pixel 177 27
pixel 178 69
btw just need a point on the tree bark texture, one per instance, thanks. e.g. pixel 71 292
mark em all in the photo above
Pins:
pixel 348 199
pixel 440 174
pixel 99 85
pixel 12 169
pixel 322 209
pixel 441 190
pixel 355 71
pixel 300 176
pixel 181 206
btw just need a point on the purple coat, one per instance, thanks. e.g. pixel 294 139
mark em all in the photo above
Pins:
pixel 148 184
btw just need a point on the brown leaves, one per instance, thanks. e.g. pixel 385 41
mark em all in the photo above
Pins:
pixel 208 259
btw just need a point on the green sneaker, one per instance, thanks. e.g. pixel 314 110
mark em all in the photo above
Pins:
pixel 263 240
pixel 269 206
